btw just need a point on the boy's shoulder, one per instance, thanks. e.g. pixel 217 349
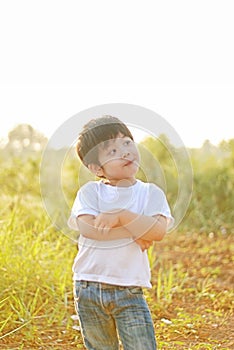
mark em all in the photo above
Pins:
pixel 90 185
pixel 155 187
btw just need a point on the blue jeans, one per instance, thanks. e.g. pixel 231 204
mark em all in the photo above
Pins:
pixel 107 313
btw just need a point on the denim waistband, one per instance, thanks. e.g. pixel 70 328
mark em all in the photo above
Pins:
pixel 103 285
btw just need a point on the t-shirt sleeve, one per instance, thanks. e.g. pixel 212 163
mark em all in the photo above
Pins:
pixel 157 204
pixel 86 202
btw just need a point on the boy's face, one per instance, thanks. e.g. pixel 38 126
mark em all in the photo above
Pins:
pixel 119 159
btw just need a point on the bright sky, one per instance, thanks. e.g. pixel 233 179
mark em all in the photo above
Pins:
pixel 173 57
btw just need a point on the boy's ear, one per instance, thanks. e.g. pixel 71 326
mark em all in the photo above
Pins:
pixel 95 169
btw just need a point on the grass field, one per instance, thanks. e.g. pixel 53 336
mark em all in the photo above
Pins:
pixel 192 273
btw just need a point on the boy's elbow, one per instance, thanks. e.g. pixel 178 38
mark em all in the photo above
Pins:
pixel 159 235
pixel 160 228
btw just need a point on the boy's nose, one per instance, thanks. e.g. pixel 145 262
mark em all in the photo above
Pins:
pixel 125 154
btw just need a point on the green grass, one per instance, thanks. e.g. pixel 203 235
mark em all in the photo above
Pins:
pixel 35 260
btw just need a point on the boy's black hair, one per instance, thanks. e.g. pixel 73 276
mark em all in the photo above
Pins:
pixel 94 133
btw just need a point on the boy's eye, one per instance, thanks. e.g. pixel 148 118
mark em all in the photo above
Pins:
pixel 126 143
pixel 112 152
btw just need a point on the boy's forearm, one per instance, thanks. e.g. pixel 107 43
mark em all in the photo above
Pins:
pixel 146 227
pixel 88 230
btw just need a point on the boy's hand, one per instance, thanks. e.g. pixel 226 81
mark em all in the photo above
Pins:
pixel 143 243
pixel 105 221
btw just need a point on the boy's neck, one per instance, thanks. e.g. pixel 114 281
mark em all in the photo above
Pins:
pixel 121 183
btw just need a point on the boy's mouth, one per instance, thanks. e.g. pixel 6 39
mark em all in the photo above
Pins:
pixel 129 162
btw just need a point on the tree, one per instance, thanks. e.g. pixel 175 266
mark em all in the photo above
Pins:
pixel 25 138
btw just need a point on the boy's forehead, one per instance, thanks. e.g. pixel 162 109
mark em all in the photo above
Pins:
pixel 113 140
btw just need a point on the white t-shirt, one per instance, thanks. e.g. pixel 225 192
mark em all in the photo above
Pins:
pixel 119 262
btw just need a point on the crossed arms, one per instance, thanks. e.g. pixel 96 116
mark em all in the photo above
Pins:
pixel 123 224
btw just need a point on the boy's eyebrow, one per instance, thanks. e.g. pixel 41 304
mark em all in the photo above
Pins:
pixel 110 142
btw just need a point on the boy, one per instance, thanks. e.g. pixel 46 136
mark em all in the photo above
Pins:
pixel 118 218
